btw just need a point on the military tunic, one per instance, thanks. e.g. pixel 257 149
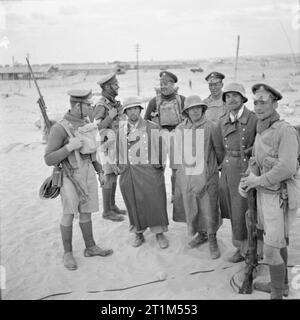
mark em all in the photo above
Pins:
pixel 216 108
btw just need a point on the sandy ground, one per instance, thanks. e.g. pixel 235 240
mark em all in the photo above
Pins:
pixel 31 249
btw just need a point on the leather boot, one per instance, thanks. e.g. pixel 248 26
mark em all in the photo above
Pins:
pixel 139 239
pixel 162 240
pixel 113 205
pixel 213 246
pixel 107 212
pixel 237 257
pixel 200 238
pixel 66 235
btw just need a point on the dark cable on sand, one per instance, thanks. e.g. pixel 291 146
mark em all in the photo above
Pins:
pixel 134 286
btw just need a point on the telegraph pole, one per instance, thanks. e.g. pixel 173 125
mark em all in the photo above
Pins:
pixel 137 48
pixel 236 57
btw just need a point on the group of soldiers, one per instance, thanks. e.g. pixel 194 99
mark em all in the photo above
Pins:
pixel 232 150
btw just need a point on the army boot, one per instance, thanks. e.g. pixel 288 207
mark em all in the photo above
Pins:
pixel 91 249
pixel 107 212
pixel 200 238
pixel 162 240
pixel 213 246
pixel 139 239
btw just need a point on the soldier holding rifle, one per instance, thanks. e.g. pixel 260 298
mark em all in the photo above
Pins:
pixel 64 143
pixel 277 182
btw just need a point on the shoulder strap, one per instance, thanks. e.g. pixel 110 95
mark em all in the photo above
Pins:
pixel 179 102
pixel 67 126
pixel 158 100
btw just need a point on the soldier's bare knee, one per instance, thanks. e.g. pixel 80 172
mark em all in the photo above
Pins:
pixel 84 217
pixel 67 220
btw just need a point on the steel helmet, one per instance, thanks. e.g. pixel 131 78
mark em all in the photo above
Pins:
pixel 192 101
pixel 235 87
pixel 47 191
pixel 132 102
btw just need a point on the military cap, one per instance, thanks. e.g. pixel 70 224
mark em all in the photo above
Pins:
pixel 262 91
pixel 169 76
pixel 214 77
pixel 193 101
pixel 131 102
pixel 235 87
pixel 107 79
pixel 77 95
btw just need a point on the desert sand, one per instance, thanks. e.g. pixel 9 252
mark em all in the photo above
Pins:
pixel 31 249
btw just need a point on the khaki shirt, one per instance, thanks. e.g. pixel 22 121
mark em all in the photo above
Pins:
pixel 216 108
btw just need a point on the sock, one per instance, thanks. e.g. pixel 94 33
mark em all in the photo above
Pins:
pixel 284 256
pixel 66 235
pixel 277 273
pixel 87 233
pixel 106 198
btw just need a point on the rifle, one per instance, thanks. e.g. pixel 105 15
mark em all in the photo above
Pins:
pixel 65 165
pixel 251 221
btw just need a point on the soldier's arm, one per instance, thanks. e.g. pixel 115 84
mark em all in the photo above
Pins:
pixel 150 108
pixel 56 150
pixel 99 114
pixel 287 163
pixel 217 141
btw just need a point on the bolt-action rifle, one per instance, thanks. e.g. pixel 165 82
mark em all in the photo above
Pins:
pixel 65 165
pixel 251 221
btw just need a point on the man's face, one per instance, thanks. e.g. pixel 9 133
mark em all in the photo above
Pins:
pixel 195 113
pixel 264 107
pixel 167 87
pixel 215 87
pixel 133 114
pixel 114 87
pixel 85 107
pixel 234 101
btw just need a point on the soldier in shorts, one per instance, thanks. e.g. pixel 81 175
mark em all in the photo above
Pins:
pixel 277 180
pixel 62 146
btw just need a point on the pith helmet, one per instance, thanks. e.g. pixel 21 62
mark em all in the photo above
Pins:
pixel 235 87
pixel 47 191
pixel 131 102
pixel 192 101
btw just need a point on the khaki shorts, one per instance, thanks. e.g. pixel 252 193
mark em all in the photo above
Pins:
pixel 270 218
pixel 69 198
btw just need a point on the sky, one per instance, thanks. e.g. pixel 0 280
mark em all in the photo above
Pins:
pixel 57 31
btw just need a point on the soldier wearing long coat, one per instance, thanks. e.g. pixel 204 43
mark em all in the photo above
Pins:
pixel 196 189
pixel 237 129
pixel 142 179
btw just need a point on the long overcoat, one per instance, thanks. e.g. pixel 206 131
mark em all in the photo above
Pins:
pixel 235 136
pixel 196 192
pixel 142 183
